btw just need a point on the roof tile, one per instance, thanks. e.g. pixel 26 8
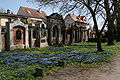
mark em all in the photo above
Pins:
pixel 78 18
pixel 33 12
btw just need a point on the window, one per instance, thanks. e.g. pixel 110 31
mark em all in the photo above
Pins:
pixel 55 31
pixel 3 30
pixel 18 35
pixel 29 12
pixel 43 41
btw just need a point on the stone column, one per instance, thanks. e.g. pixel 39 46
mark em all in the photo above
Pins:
pixel 56 36
pixel 0 37
pixel 9 40
pixel 81 35
pixel 38 39
pixel 76 35
pixel 71 35
pixel 64 36
pixel 39 32
pixel 49 38
pixel 59 36
pixel 46 31
pixel 86 35
pixel 26 37
pixel 30 37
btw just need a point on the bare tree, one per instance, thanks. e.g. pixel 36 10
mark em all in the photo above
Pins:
pixel 112 8
pixel 118 19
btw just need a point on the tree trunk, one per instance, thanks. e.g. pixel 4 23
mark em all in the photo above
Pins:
pixel 118 25
pixel 99 47
pixel 110 20
pixel 110 32
pixel 98 34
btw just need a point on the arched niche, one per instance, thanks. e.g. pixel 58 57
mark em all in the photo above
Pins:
pixel 11 31
pixel 19 35
pixel 55 34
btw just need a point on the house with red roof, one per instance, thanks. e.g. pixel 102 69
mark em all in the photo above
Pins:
pixel 77 28
pixel 37 21
pixel 33 28
pixel 7 38
pixel 25 29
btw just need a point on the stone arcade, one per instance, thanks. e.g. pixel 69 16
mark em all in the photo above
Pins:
pixel 33 28
pixel 17 35
pixel 55 25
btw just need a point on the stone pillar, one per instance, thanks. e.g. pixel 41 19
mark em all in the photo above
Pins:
pixel 64 36
pixel 49 38
pixel 76 36
pixel 81 35
pixel 38 39
pixel 71 35
pixel 39 33
pixel 51 35
pixel 0 37
pixel 30 37
pixel 9 40
pixel 86 35
pixel 59 36
pixel 39 72
pixel 26 37
pixel 46 31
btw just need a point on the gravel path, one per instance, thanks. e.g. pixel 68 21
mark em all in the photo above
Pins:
pixel 109 71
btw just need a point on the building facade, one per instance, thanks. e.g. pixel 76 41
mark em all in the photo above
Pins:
pixel 55 26
pixel 33 28
pixel 36 20
pixel 77 29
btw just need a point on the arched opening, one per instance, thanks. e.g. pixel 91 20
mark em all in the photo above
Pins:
pixel 55 34
pixel 18 35
pixel 34 33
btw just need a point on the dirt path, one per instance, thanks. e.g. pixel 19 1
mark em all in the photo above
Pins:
pixel 110 71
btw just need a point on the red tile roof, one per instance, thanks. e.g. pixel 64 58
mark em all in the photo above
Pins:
pixel 10 15
pixel 6 14
pixel 28 12
pixel 78 18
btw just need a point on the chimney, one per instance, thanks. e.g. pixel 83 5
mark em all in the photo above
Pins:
pixel 39 9
pixel 8 11
pixel 11 12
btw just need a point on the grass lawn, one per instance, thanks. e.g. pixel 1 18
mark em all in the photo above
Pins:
pixel 21 64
